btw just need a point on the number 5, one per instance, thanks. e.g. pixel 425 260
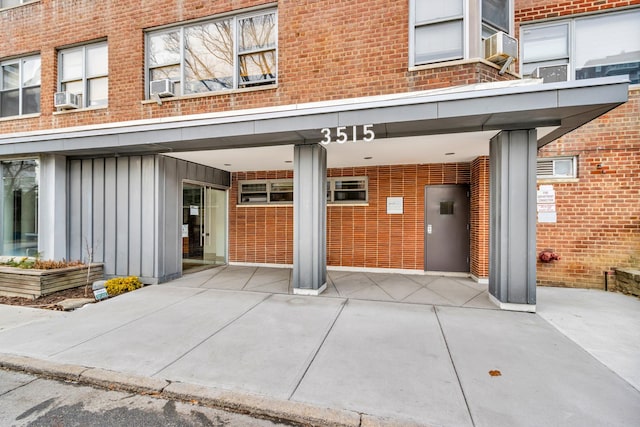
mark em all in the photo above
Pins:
pixel 369 135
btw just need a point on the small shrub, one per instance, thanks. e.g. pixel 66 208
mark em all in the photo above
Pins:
pixel 120 285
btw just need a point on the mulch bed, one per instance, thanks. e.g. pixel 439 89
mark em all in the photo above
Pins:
pixel 50 301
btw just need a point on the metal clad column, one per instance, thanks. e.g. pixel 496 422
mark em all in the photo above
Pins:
pixel 512 239
pixel 52 223
pixel 309 219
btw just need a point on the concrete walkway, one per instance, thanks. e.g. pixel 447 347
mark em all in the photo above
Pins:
pixel 443 364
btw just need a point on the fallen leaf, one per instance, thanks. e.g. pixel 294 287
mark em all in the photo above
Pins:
pixel 495 373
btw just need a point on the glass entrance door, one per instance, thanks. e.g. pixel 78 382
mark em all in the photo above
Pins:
pixel 204 227
pixel 19 203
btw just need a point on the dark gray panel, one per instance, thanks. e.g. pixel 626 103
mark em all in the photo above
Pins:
pixel 122 216
pixel 498 104
pixel 135 215
pixel 292 124
pixel 75 210
pixel 404 113
pixel 110 209
pixel 148 203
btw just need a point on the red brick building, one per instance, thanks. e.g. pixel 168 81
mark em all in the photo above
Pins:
pixel 193 107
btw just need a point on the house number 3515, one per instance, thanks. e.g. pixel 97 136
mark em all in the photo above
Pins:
pixel 345 133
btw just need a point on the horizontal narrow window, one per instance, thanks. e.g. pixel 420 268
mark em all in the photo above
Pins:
pixel 556 168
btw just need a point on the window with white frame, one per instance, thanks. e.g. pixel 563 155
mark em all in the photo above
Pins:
pixel 20 86
pixel 12 3
pixel 226 53
pixel 496 16
pixel 557 168
pixel 584 47
pixel 437 30
pixel 84 70
pixel 340 190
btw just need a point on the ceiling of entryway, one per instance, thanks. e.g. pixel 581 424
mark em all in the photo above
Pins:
pixel 449 148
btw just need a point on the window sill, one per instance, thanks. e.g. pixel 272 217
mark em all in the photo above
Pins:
pixel 80 110
pixel 558 180
pixel 20 117
pixel 209 94
pixel 442 64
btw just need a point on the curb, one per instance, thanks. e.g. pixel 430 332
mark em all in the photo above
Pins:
pixel 250 404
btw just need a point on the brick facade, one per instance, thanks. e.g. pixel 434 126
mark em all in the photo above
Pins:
pixel 598 224
pixel 345 49
pixel 363 236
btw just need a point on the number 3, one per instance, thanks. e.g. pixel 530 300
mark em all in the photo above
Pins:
pixel 327 136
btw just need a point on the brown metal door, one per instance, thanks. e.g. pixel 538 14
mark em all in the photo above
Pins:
pixel 446 229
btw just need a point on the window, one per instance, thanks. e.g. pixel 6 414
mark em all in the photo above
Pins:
pixel 19 206
pixel 437 30
pixel 84 70
pixel 345 190
pixel 556 168
pixel 585 47
pixel 12 3
pixel 20 86
pixel 227 53
pixel 496 16
pixel 265 191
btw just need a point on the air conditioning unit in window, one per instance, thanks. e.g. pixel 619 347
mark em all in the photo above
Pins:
pixel 500 47
pixel 552 73
pixel 162 88
pixel 66 100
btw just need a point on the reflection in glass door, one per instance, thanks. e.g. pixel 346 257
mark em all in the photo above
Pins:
pixel 19 203
pixel 204 227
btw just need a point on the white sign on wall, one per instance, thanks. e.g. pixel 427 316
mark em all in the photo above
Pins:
pixel 546 198
pixel 395 205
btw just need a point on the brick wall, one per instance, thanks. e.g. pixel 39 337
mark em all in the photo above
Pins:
pixel 527 10
pixel 327 50
pixel 598 224
pixel 361 236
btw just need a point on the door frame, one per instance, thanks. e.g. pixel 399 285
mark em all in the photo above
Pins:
pixel 467 187
pixel 226 214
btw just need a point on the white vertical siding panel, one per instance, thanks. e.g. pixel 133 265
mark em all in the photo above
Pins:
pixel 122 216
pixel 135 215
pixel 86 236
pixel 75 209
pixel 110 208
pixel 148 215
pixel 98 210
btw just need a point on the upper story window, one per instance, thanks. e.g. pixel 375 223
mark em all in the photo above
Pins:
pixel 437 30
pixel 20 86
pixel 12 3
pixel 227 53
pixel 584 47
pixel 84 70
pixel 496 16
pixel 444 30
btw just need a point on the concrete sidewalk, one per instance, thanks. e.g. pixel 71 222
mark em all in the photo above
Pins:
pixel 347 361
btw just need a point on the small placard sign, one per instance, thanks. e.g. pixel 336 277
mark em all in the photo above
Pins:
pixel 395 205
pixel 101 294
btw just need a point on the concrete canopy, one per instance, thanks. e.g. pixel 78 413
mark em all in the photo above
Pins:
pixel 522 104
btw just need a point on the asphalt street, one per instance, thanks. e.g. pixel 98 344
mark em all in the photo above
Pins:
pixel 26 400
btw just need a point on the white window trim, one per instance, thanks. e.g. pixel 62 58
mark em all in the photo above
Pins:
pixel 330 189
pixel 235 18
pixel 85 78
pixel 22 3
pixel 570 22
pixel 21 88
pixel 553 176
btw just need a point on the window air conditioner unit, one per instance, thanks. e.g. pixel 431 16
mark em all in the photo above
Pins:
pixel 500 47
pixel 66 100
pixel 162 88
pixel 552 73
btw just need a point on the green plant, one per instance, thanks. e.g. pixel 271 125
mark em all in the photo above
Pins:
pixel 39 264
pixel 120 285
